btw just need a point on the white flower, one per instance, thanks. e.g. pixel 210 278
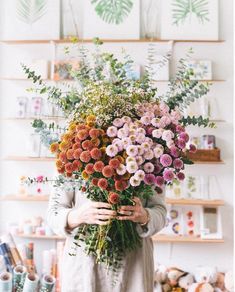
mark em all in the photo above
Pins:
pixel 158 151
pixel 157 133
pixel 145 120
pixel 112 131
pixel 132 150
pixel 132 138
pixel 118 122
pixel 170 143
pixel 145 146
pixel 148 167
pixel 118 143
pixel 130 159
pixel 141 131
pixel 155 122
pixel 111 150
pixel 140 174
pixel 122 133
pixel 121 170
pixel 149 155
pixel 126 128
pixel 167 135
pixel 140 138
pixel 134 181
pixel 149 141
pixel 126 119
pixel 132 167
pixel 140 150
pixel 126 142
pixel 139 159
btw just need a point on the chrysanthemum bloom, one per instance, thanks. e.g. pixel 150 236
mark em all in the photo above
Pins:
pixel 112 131
pixel 139 160
pixel 149 141
pixel 157 168
pixel 111 150
pixel 76 145
pixel 145 146
pixel 62 156
pixel 166 160
pixel 167 135
pixel 69 174
pixel 96 153
pixel 108 171
pixel 58 163
pixel 85 175
pixel 192 148
pixel 94 133
pixel 118 143
pixel 140 138
pixel 77 140
pixel 85 156
pixel 170 143
pixel 126 142
pixel 149 130
pixel 134 181
pixel 114 163
pixel 174 151
pixel 180 128
pixel 64 146
pixel 181 143
pixel 103 183
pixel 155 122
pixel 157 133
pixel 126 119
pixel 77 165
pixel 122 133
pixel 95 142
pixel 82 135
pixel 61 170
pixel 180 176
pixel 72 127
pixel 77 153
pixel 118 123
pixel 80 127
pixel 148 155
pixel 98 166
pixel 113 198
pixel 120 158
pixel 158 151
pixel 90 168
pixel 168 175
pixel 148 167
pixel 140 174
pixel 121 170
pixel 159 180
pixel 94 181
pixel 69 154
pixel 132 150
pixel 149 179
pixel 67 137
pixel 69 167
pixel 145 120
pixel 132 138
pixel 184 136
pixel 165 120
pixel 164 108
pixel 178 163
pixel 54 147
pixel 87 145
pixel 132 167
pixel 90 118
pixel 140 150
pixel 120 185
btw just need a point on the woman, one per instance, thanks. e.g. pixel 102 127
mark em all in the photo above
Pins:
pixel 80 273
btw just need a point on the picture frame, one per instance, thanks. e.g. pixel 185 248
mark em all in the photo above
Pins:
pixel 108 23
pixel 174 222
pixel 210 223
pixel 62 69
pixel 188 20
pixel 202 69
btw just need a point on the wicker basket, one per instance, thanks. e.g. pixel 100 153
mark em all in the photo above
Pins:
pixel 205 155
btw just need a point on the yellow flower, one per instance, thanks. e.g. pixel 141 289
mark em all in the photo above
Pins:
pixel 90 124
pixel 68 136
pixel 85 175
pixel 64 145
pixel 72 126
pixel 59 163
pixel 54 147
pixel 90 118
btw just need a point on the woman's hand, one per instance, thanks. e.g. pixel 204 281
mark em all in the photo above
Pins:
pixel 91 213
pixel 136 213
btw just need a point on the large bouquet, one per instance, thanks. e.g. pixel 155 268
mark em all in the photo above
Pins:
pixel 122 141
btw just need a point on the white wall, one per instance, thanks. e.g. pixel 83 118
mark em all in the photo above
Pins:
pixel 14 135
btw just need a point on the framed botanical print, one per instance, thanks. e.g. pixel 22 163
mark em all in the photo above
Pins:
pixel 211 223
pixel 189 19
pixel 108 19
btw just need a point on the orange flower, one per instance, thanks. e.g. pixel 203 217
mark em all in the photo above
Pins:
pixel 95 142
pixel 76 165
pixel 103 183
pixel 90 124
pixel 94 181
pixel 54 147
pixel 85 175
pixel 77 140
pixel 89 168
pixel 68 174
pixel 87 145
pixel 82 134
pixel 83 189
pixel 90 118
pixel 94 133
pixel 69 154
pixel 114 163
pixel 61 170
pixel 108 171
pixel 80 127
pixel 69 167
pixel 77 153
pixel 68 137
pixel 72 126
pixel 85 156
pixel 58 163
pixel 64 145
pixel 120 158
pixel 105 141
pixel 98 166
pixel 96 153
pixel 102 132
pixel 126 176
pixel 63 156
pixel 120 185
pixel 113 198
pixel 76 145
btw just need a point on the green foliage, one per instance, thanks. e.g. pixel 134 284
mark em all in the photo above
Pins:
pixel 113 11
pixel 199 121
pixel 30 11
pixel 185 9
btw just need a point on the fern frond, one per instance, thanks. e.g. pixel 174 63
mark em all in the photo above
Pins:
pixel 30 11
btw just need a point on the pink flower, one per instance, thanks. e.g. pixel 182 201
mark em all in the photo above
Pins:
pixel 141 131
pixel 176 115
pixel 164 108
pixel 148 155
pixel 184 136
pixel 118 122
pixel 158 151
pixel 126 142
pixel 139 159
pixel 170 143
pixel 132 150
pixel 140 138
pixel 39 178
pixel 145 120
pixel 167 135
pixel 140 174
pixel 134 181
pixel 145 146
pixel 157 133
pixel 180 176
pixel 159 180
pixel 132 167
pixel 111 150
pixel 168 175
pixel 192 148
pixel 178 163
pixel 149 130
pixel 181 143
pixel 174 151
pixel 39 190
pixel 118 143
pixel 149 179
pixel 121 170
pixel 165 120
pixel 148 167
pixel 126 119
pixel 155 122
pixel 130 159
pixel 122 133
pixel 140 150
pixel 180 128
pixel 157 168
pixel 149 141
pixel 166 160
pixel 112 131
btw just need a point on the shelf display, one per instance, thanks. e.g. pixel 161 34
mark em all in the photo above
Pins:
pixel 202 69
